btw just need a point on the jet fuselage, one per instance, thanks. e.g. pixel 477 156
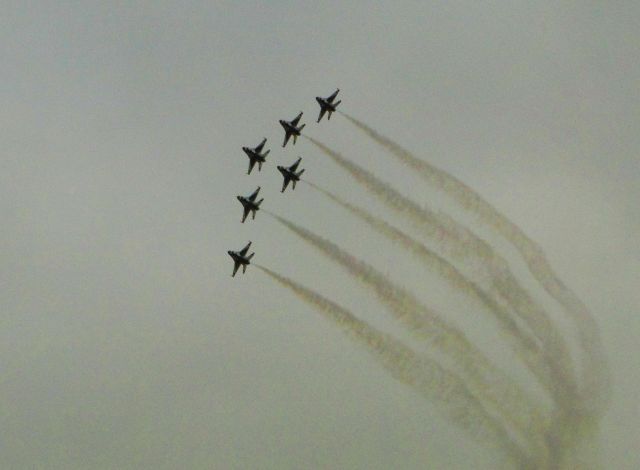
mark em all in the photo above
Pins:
pixel 248 203
pixel 289 129
pixel 252 154
pixel 238 258
pixel 287 173
pixel 325 104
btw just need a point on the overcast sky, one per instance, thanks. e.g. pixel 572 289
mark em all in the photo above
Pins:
pixel 125 343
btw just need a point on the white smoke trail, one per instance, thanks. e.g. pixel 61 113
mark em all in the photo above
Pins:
pixel 462 243
pixel 426 376
pixel 596 380
pixel 485 381
pixel 527 349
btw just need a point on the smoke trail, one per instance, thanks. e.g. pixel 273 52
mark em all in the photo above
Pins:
pixel 527 349
pixel 461 243
pixel 484 380
pixel 426 376
pixel 596 386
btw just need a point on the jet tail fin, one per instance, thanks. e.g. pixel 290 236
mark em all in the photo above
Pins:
pixel 302 127
pixel 336 105
pixel 249 257
pixel 259 202
pixel 266 153
pixel 300 173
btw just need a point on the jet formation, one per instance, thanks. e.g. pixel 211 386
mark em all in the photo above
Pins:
pixel 250 204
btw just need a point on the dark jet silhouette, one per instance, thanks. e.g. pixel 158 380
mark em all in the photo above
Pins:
pixel 291 128
pixel 255 156
pixel 289 174
pixel 250 205
pixel 327 105
pixel 241 258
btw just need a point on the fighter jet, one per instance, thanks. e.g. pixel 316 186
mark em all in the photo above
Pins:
pixel 241 258
pixel 327 105
pixel 291 129
pixel 255 156
pixel 289 174
pixel 250 204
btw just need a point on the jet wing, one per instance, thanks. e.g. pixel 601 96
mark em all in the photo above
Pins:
pixel 287 135
pixel 245 213
pixel 254 194
pixel 296 120
pixel 260 146
pixel 285 183
pixel 322 111
pixel 333 97
pixel 243 252
pixel 294 167
pixel 236 265
pixel 252 162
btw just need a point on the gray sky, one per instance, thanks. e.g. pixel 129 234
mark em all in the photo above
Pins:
pixel 125 342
